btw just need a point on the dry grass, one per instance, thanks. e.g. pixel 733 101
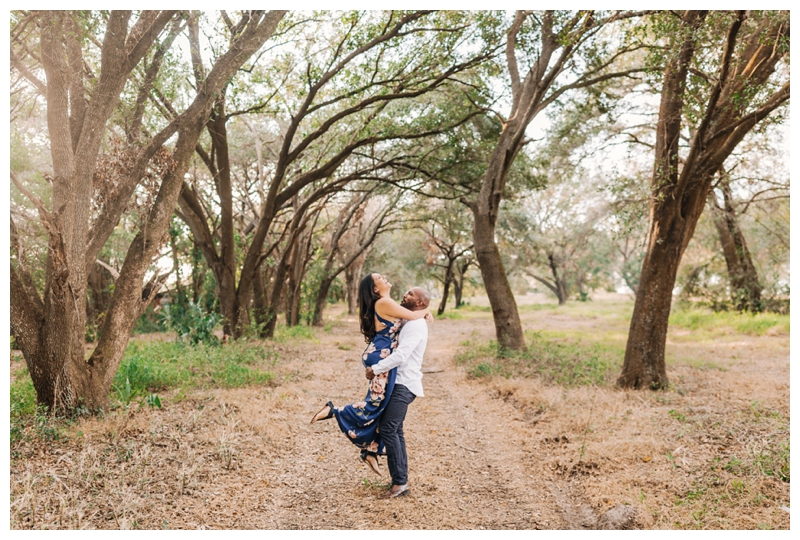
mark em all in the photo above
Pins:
pixel 491 453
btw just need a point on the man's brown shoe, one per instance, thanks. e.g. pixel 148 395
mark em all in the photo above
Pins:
pixel 394 491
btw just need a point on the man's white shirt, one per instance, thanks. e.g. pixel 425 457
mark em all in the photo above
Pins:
pixel 408 356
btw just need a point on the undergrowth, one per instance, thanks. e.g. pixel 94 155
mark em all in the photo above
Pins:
pixel 284 334
pixel 146 369
pixel 568 363
pixel 154 367
pixel 745 323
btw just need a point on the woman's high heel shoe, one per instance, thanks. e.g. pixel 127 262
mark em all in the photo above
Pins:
pixel 319 415
pixel 372 460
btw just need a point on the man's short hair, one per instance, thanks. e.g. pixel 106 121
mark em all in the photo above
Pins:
pixel 424 296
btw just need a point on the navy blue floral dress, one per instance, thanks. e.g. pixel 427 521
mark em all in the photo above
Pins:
pixel 360 420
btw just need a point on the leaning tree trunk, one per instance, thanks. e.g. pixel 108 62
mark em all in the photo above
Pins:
pixel 276 295
pixel 508 327
pixel 644 365
pixel 742 273
pixel 321 299
pixel 528 95
pixel 260 306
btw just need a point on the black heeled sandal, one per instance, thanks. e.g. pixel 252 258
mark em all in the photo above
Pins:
pixel 329 415
pixel 373 463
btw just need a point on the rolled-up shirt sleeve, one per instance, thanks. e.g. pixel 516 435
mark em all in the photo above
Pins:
pixel 411 336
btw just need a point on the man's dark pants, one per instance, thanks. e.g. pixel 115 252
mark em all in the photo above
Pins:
pixel 391 430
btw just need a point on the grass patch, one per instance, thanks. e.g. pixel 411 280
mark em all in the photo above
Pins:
pixel 569 363
pixel 154 367
pixel 471 308
pixel 696 363
pixel 451 314
pixel 726 321
pixel 285 333
pixel 606 309
pixel 27 419
pixel 148 368
pixel 23 405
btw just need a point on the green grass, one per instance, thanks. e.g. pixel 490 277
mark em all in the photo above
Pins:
pixel 285 333
pixel 451 314
pixel 148 368
pixel 154 367
pixel 471 308
pixel 606 309
pixel 729 321
pixel 702 364
pixel 23 405
pixel 568 363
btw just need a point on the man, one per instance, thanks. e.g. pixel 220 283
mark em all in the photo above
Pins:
pixel 408 385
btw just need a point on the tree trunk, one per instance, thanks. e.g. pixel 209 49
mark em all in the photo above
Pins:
pixel 276 294
pixel 458 283
pixel 321 299
pixel 351 276
pixel 198 276
pixel 448 279
pixel 679 195
pixel 176 264
pixel 742 273
pixel 260 306
pixel 507 324
pixel 644 365
pixel 560 282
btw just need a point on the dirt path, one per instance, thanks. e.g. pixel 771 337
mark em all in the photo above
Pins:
pixel 502 454
pixel 465 472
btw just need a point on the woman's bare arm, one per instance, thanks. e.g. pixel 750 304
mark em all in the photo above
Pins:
pixel 388 308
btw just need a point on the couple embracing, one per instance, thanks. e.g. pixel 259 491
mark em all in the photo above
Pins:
pixel 397 335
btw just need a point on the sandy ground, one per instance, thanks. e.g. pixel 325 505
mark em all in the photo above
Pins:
pixel 498 454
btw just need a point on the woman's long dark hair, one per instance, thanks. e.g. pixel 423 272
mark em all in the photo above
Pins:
pixel 366 306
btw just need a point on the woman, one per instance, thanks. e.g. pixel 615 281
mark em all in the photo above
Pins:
pixel 379 316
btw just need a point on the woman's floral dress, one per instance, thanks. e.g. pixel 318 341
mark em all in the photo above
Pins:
pixel 360 420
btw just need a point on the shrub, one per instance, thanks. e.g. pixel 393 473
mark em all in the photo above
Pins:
pixel 191 323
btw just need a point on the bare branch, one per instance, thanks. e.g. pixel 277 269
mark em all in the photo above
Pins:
pixel 111 270
pixel 25 72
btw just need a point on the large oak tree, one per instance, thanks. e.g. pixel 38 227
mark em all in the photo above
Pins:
pixel 105 48
pixel 715 91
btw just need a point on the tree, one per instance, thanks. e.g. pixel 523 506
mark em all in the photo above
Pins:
pixel 350 101
pixel 85 207
pixel 350 217
pixel 553 39
pixel 729 92
pixel 449 247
